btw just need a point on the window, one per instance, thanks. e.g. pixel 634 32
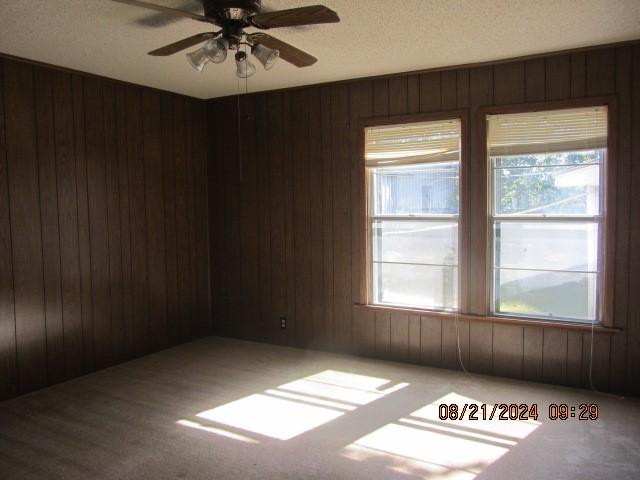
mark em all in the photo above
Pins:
pixel 546 212
pixel 413 181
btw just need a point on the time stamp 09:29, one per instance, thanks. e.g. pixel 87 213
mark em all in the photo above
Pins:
pixel 517 411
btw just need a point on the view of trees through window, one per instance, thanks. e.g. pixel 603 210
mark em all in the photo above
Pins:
pixel 546 210
pixel 534 183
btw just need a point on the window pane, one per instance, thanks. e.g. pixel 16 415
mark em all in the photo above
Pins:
pixel 423 286
pixel 428 189
pixel 544 189
pixel 540 160
pixel 424 241
pixel 546 245
pixel 568 296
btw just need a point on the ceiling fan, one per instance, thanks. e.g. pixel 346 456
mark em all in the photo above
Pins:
pixel 233 16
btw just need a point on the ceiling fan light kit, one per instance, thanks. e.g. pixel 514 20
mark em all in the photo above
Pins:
pixel 233 16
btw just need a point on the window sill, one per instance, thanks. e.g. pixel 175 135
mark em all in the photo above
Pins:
pixel 493 319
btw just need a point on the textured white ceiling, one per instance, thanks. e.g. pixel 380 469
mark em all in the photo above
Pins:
pixel 374 37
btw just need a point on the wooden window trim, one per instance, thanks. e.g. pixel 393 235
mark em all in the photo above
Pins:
pixel 463 116
pixel 480 249
pixel 609 218
pixel 534 322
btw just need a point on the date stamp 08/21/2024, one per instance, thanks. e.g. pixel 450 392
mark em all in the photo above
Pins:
pixel 517 411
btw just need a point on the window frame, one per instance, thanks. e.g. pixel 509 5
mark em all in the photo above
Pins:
pixel 473 244
pixel 607 215
pixel 367 271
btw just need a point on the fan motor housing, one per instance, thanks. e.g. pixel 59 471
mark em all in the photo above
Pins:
pixel 232 12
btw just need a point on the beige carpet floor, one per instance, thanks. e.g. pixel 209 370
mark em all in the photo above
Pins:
pixel 227 409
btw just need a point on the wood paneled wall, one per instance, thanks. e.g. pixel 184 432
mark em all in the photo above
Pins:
pixel 286 211
pixel 103 224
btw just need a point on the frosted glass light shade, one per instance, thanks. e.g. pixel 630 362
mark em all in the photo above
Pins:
pixel 198 59
pixel 244 67
pixel 265 55
pixel 216 50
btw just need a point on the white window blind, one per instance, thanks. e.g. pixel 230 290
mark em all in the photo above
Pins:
pixel 550 131
pixel 411 143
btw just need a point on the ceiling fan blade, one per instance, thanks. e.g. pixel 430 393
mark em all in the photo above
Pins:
pixel 288 52
pixel 156 19
pixel 295 17
pixel 181 44
pixel 166 10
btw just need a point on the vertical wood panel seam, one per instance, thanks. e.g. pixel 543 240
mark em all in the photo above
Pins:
pixel 288 216
pixel 128 213
pixel 267 175
pixel 44 283
pixel 55 170
pixel 170 112
pixel 375 333
pixel 194 218
pixel 117 152
pixel 406 100
pixel 73 148
pixel 191 230
pixel 165 154
pixel 493 88
pixel 440 88
pixel 586 77
pixel 386 82
pixel 296 325
pixel 321 136
pixel 109 359
pixel 190 223
pixel 283 170
pixel 333 221
pixel 331 211
pixel 175 214
pixel 146 346
pixel 309 320
pixel 632 65
pixel 207 239
pixel 13 281
pixel 84 111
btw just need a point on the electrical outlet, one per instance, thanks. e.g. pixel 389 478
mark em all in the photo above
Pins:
pixel 283 322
